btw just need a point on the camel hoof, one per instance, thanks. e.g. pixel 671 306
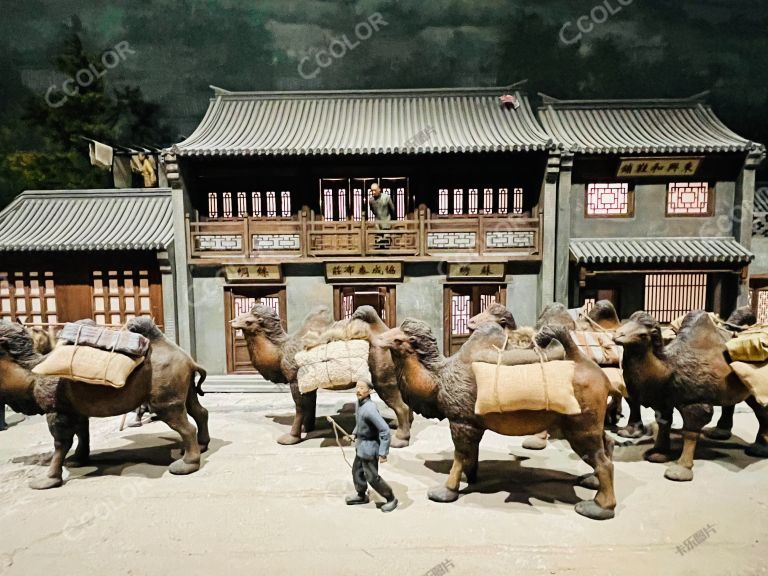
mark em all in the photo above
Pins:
pixel 678 473
pixel 46 483
pixel 715 433
pixel 534 443
pixel 632 431
pixel 180 468
pixel 80 460
pixel 588 481
pixel 203 448
pixel 288 440
pixel 757 450
pixel 592 510
pixel 443 494
pixel 399 442
pixel 657 457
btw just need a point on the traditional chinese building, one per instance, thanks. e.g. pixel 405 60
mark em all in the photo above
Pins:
pixel 759 268
pixel 275 192
pixel 654 205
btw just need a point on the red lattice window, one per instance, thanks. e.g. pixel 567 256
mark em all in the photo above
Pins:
pixel 761 309
pixel 688 199
pixel 460 314
pixel 610 199
pixel 119 295
pixel 28 296
pixel 669 296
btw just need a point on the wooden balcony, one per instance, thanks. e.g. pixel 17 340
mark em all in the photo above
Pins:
pixel 306 238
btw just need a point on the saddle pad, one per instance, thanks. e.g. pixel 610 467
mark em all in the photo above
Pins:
pixel 540 386
pixel 121 341
pixel 89 365
pixel 755 377
pixel 598 346
pixel 749 346
pixel 337 365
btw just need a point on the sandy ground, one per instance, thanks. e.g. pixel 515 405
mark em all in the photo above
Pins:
pixel 259 508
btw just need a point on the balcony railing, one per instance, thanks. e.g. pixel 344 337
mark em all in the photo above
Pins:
pixel 422 236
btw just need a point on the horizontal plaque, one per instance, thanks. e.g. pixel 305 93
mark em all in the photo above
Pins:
pixel 476 271
pixel 659 166
pixel 369 270
pixel 254 273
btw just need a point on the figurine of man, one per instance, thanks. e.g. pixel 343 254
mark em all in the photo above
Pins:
pixel 382 207
pixel 371 447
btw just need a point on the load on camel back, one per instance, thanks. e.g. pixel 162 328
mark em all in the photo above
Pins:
pixel 97 373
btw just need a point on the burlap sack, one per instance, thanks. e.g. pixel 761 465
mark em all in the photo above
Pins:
pixel 616 380
pixel 87 364
pixel 755 377
pixel 334 366
pixel 750 346
pixel 540 386
pixel 599 346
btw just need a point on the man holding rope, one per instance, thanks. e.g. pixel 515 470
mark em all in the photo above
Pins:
pixel 371 447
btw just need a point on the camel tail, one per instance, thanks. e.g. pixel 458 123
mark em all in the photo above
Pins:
pixel 199 384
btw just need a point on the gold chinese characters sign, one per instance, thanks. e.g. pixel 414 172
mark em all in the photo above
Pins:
pixel 475 271
pixel 258 273
pixel 357 271
pixel 650 167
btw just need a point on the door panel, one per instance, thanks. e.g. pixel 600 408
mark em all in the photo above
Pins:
pixel 239 300
pixel 348 298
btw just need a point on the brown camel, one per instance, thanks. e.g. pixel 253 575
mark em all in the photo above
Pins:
pixel 273 354
pixel 440 387
pixel 165 380
pixel 691 374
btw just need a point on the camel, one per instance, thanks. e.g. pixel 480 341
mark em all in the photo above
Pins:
pixel 273 353
pixel 165 380
pixel 691 374
pixel 440 387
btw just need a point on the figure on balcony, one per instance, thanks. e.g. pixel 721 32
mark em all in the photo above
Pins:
pixel 383 210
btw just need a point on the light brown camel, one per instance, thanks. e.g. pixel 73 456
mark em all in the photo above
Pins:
pixel 440 387
pixel 691 374
pixel 273 354
pixel 165 380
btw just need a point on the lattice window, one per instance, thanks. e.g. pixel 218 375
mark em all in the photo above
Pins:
pixel 762 306
pixel 668 296
pixel 442 200
pixel 458 200
pixel 472 201
pixel 213 205
pixel 342 196
pixel 688 199
pixel 517 201
pixel 226 205
pixel 119 295
pixel 244 304
pixel 347 305
pixel 460 314
pixel 256 204
pixel 271 204
pixel 29 297
pixel 589 303
pixel 328 203
pixel 285 203
pixel 486 300
pixel 357 204
pixel 242 204
pixel 610 199
pixel 400 202
pixel 503 200
pixel 487 200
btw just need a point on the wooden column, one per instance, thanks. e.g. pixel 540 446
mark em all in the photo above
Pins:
pixel 563 238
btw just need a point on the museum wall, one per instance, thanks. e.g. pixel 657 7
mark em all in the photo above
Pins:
pixel 210 338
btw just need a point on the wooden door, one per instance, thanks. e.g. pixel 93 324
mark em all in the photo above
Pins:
pixel 382 298
pixel 239 300
pixel 461 302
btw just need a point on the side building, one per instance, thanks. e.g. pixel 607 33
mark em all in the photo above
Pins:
pixel 272 191
pixel 758 280
pixel 655 202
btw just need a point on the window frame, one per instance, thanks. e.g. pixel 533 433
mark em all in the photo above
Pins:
pixel 630 201
pixel 710 201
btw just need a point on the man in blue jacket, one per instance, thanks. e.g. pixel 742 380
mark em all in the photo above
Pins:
pixel 371 447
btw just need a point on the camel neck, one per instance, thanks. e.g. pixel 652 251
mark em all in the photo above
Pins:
pixel 18 388
pixel 419 380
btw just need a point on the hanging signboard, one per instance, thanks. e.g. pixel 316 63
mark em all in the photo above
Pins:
pixel 257 273
pixel 655 166
pixel 363 271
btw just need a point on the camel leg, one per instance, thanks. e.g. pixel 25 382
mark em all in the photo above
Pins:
pixel 594 449
pixel 176 418
pixel 200 416
pixel 62 428
pixel 390 394
pixel 695 417
pixel 294 436
pixel 634 427
pixel 613 413
pixel 309 406
pixel 759 449
pixel 660 451
pixel 722 430
pixel 83 450
pixel 466 441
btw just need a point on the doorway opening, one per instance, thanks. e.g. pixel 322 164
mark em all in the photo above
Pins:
pixel 460 303
pixel 239 300
pixel 346 299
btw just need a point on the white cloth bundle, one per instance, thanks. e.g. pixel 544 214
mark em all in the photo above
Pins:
pixel 338 365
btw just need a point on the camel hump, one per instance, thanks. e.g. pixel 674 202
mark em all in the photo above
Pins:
pixel 145 326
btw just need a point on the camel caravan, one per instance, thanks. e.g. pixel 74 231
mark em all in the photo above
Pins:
pixel 566 377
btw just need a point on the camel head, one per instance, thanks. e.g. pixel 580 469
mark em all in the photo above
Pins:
pixel 260 321
pixel 413 337
pixel 743 316
pixel 17 345
pixel 396 340
pixel 641 330
pixel 555 313
pixel 497 313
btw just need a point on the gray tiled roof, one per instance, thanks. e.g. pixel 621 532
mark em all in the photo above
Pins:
pixel 659 251
pixel 123 219
pixel 639 126
pixel 761 198
pixel 364 122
